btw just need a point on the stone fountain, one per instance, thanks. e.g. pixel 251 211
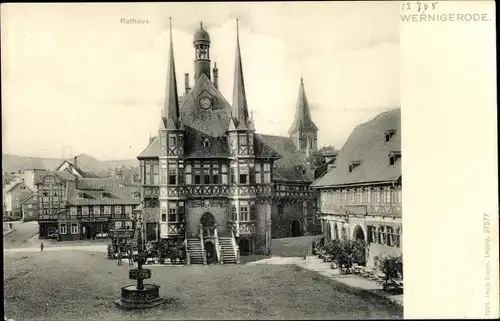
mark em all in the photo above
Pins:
pixel 140 295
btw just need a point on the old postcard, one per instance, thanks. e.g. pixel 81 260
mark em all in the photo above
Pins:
pixel 226 160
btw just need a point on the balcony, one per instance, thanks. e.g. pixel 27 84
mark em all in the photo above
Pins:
pixel 220 190
pixel 172 229
pixel 245 228
pixel 248 228
pixel 206 190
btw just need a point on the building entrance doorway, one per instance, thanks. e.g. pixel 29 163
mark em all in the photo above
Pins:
pixel 208 225
pixel 295 228
pixel 211 252
pixel 244 245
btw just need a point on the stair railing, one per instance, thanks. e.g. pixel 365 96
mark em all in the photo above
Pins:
pixel 236 248
pixel 217 245
pixel 204 253
pixel 186 246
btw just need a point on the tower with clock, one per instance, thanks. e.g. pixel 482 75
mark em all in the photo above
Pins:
pixel 212 181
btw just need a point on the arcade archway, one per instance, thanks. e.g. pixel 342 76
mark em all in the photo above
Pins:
pixel 358 234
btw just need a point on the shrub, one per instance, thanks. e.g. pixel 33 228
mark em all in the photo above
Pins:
pixel 345 253
pixel 391 267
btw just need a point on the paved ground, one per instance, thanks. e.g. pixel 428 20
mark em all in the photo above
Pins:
pixel 80 285
pixel 23 235
pixel 312 263
pixel 292 246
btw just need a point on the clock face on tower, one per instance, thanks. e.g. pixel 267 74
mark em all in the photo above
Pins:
pixel 205 103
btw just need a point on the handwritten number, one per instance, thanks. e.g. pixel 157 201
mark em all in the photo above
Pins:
pixel 421 7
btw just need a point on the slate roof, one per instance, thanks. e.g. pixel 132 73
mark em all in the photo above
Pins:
pixel 195 148
pixel 266 146
pixel 367 144
pixel 292 165
pixel 213 122
pixel 302 120
pixel 201 34
pixel 62 175
pixel 15 183
pixel 94 189
pixel 153 149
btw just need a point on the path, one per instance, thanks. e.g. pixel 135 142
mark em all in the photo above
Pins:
pixel 312 263
pixel 92 248
pixel 21 234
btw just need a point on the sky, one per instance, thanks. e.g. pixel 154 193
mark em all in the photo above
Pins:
pixel 75 79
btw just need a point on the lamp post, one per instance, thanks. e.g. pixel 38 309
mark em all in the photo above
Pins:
pixel 140 296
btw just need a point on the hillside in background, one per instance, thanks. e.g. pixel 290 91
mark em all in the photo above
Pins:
pixel 14 163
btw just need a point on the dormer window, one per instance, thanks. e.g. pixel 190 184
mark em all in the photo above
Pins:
pixel 106 194
pixel 353 165
pixel 137 194
pixel 394 157
pixel 206 143
pixel 81 195
pixel 389 134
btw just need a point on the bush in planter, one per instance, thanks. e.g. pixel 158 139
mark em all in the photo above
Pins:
pixel 346 253
pixel 331 250
pixel 392 268
pixel 162 250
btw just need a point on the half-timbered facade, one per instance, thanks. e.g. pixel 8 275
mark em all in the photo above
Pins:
pixel 51 188
pixel 209 176
pixel 73 208
pixel 360 197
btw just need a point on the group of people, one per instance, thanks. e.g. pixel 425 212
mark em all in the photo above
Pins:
pixel 130 254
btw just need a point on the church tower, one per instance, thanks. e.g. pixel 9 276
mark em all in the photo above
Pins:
pixel 171 169
pixel 303 131
pixel 201 44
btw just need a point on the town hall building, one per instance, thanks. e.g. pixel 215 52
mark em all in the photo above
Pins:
pixel 211 179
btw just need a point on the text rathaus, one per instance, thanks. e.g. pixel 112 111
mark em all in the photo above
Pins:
pixel 210 179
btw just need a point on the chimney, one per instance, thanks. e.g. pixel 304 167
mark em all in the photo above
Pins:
pixel 186 84
pixel 75 161
pixel 216 76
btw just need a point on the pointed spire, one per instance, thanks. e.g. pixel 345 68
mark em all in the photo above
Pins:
pixel 162 120
pixel 240 108
pixel 302 120
pixel 171 107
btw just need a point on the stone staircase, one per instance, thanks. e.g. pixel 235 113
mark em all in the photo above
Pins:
pixel 227 250
pixel 195 249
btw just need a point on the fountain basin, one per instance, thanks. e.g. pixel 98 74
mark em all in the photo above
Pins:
pixel 132 298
